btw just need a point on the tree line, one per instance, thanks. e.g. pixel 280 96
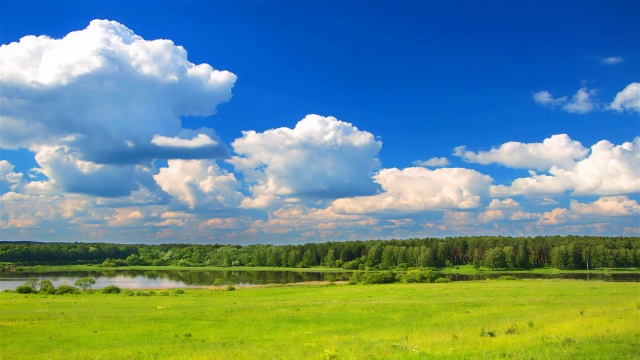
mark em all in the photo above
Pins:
pixel 493 252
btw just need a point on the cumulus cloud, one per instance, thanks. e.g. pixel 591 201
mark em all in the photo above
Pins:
pixel 612 60
pixel 293 218
pixel 607 206
pixel 433 162
pixel 558 150
pixel 627 99
pixel 200 184
pixel 420 189
pixel 68 172
pixel 608 170
pixel 109 97
pixel 321 158
pixel 9 179
pixel 582 102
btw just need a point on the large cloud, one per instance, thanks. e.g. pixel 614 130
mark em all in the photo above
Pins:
pixel 608 170
pixel 419 189
pixel 321 158
pixel 557 150
pixel 109 97
pixel 200 184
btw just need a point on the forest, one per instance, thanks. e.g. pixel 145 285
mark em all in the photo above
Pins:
pixel 493 252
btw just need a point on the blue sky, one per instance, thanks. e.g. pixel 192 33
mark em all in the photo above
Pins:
pixel 303 121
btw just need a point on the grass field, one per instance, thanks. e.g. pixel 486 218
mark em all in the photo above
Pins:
pixel 526 319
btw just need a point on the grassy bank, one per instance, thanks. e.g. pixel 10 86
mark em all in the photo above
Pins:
pixel 528 319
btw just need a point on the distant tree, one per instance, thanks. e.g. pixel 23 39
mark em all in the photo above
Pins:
pixel 218 282
pixel 85 283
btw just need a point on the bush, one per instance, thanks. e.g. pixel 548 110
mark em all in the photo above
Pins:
pixel 356 277
pixel 507 278
pixel 46 287
pixel 178 291
pixel 66 289
pixel 231 288
pixel 111 289
pixel 127 293
pixel 417 276
pixel 24 289
pixel 380 278
pixel 442 280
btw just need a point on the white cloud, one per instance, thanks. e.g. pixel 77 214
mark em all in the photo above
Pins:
pixel 433 162
pixel 505 204
pixel 9 179
pixel 200 184
pixel 612 60
pixel 607 206
pixel 199 140
pixel 322 158
pixel 582 102
pixel 545 98
pixel 627 99
pixel 420 189
pixel 104 94
pixel 69 173
pixel 557 150
pixel 608 170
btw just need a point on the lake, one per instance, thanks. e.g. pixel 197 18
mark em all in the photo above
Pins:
pixel 164 279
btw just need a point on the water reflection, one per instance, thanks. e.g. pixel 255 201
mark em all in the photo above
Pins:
pixel 162 279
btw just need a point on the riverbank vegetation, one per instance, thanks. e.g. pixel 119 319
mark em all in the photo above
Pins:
pixel 491 252
pixel 526 319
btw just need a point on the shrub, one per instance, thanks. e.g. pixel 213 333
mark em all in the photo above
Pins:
pixel 356 277
pixel 380 278
pixel 66 289
pixel 231 288
pixel 442 280
pixel 165 293
pixel 417 276
pixel 111 289
pixel 127 293
pixel 178 291
pixel 509 277
pixel 24 289
pixel 46 287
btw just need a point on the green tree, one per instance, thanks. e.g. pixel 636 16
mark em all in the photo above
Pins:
pixel 85 283
pixel 46 287
pixel 218 282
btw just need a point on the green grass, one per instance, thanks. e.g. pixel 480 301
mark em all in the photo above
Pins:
pixel 469 270
pixel 530 319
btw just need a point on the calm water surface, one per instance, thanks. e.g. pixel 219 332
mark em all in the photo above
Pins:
pixel 163 279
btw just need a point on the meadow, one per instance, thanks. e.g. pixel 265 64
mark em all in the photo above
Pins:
pixel 524 319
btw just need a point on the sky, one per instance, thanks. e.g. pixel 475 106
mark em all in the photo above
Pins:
pixel 289 122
